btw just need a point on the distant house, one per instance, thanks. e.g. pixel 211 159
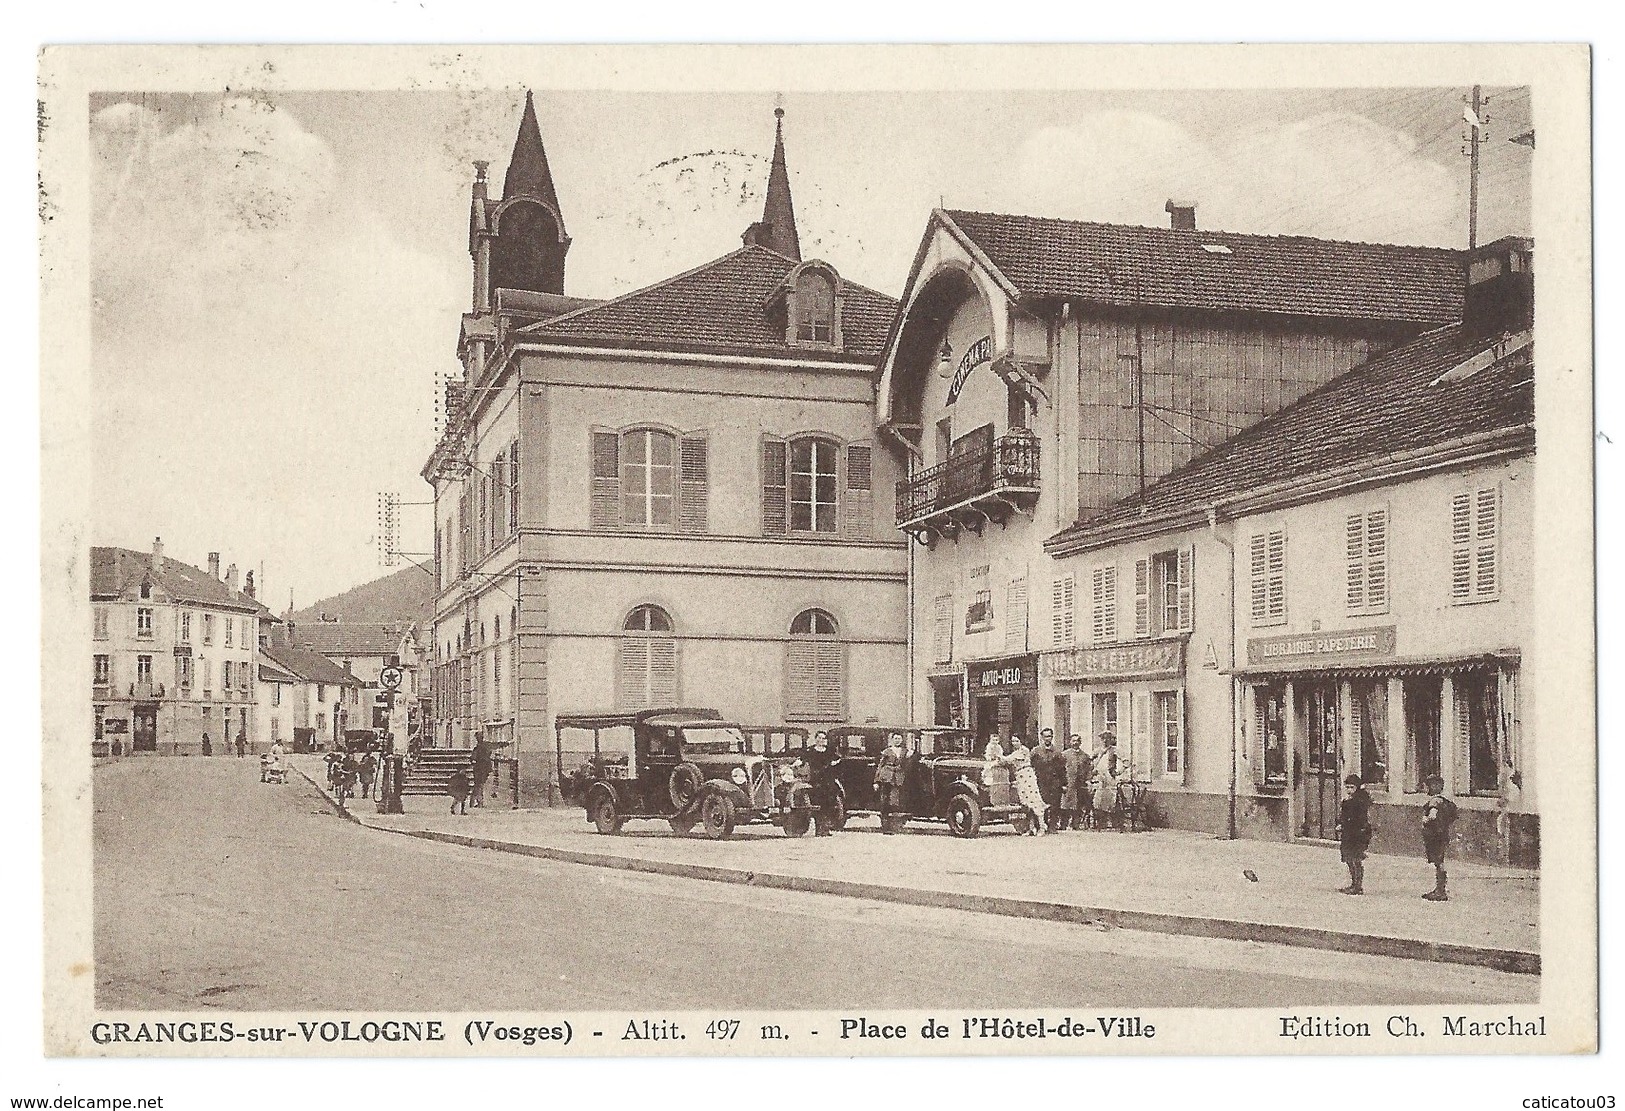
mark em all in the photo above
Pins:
pixel 364 649
pixel 174 653
pixel 304 690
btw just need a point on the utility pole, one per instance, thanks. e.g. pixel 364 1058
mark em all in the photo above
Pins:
pixel 1477 117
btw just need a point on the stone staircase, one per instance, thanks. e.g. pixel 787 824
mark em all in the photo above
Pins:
pixel 429 775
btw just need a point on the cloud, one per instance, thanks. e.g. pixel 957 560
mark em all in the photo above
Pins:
pixel 1338 175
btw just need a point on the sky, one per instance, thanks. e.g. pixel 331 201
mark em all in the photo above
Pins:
pixel 277 279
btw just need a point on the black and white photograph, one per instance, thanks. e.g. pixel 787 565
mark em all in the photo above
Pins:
pixel 816 551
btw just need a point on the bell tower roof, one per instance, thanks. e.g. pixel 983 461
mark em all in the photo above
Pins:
pixel 528 172
pixel 777 228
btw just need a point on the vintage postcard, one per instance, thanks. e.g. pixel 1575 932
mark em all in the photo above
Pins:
pixel 817 551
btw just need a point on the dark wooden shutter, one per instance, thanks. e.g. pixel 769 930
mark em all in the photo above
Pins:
pixel 1187 587
pixel 662 686
pixel 695 469
pixel 1142 598
pixel 605 500
pixel 857 506
pixel 774 480
pixel 632 671
pixel 513 486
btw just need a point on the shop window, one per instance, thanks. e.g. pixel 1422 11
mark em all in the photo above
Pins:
pixel 1366 570
pixel 1475 546
pixel 1162 593
pixel 1369 713
pixel 646 659
pixel 1422 704
pixel 1481 732
pixel 1103 605
pixel 1266 558
pixel 979 613
pixel 815 667
pixel 1168 723
pixel 1269 731
pixel 1061 605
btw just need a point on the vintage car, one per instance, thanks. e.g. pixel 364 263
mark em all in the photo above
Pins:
pixel 685 765
pixel 946 780
pixel 858 747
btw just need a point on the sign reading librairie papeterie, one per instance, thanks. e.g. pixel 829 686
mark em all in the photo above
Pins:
pixel 1297 649
pixel 1152 660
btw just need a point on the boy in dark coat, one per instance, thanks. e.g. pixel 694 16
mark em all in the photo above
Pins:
pixel 1438 814
pixel 1050 767
pixel 457 787
pixel 1354 832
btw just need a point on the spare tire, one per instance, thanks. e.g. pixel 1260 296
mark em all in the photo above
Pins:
pixel 684 785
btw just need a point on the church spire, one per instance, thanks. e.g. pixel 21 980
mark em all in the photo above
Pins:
pixel 777 229
pixel 528 173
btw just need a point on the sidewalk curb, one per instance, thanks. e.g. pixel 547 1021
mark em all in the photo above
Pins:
pixel 1307 937
pixel 332 804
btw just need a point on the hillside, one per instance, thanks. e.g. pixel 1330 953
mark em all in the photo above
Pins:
pixel 407 595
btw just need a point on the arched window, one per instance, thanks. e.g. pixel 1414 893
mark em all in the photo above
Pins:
pixel 813 466
pixel 814 669
pixel 648 478
pixel 646 660
pixel 813 308
pixel 146 590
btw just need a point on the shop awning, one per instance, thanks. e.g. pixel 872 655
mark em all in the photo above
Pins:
pixel 1381 669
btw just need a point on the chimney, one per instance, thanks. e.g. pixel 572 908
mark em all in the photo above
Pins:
pixel 1500 287
pixel 231 577
pixel 1181 215
pixel 248 584
pixel 158 555
pixel 214 565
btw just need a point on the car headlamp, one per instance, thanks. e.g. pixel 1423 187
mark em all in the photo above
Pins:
pixel 739 776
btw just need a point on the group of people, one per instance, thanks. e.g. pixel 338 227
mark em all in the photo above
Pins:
pixel 1062 788
pixel 352 774
pixel 1354 832
pixel 465 784
pixel 241 743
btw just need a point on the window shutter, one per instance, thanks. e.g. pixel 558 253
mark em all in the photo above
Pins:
pixel 633 672
pixel 1139 735
pixel 1255 743
pixel 831 689
pixel 1061 609
pixel 1376 559
pixel 857 507
pixel 1461 784
pixel 695 466
pixel 605 508
pixel 513 486
pixel 1178 770
pixel 1258 561
pixel 942 629
pixel 800 679
pixel 1277 576
pixel 662 671
pixel 1461 547
pixel 1355 543
pixel 774 479
pixel 1142 598
pixel 1015 616
pixel 1187 585
pixel 1486 544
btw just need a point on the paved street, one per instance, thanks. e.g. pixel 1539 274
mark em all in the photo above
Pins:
pixel 213 890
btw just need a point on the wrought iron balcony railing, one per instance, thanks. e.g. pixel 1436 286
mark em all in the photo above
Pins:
pixel 982 484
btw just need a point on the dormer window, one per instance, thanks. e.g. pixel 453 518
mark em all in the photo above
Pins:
pixel 812 298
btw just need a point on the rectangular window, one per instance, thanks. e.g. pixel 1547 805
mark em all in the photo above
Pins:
pixel 321 692
pixel 1061 612
pixel 648 479
pixel 499 497
pixel 103 672
pixel 1481 734
pixel 1168 719
pixel 186 627
pixel 228 624
pixel 1103 604
pixel 812 485
pixel 1366 567
pixel 1266 558
pixel 1475 546
pixel 1105 718
pixel 1162 593
pixel 227 674
pixel 1269 735
pixel 183 672
pixel 143 669
pixel 1423 695
pixel 276 723
pixel 143 622
pixel 979 613
pixel 208 628
pixel 247 640
pixel 1368 709
pixel 815 669
pixel 99 623
pixel 207 667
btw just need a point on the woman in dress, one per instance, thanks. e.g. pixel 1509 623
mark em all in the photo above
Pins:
pixel 1020 763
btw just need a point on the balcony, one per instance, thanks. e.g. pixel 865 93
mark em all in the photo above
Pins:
pixel 146 691
pixel 986 484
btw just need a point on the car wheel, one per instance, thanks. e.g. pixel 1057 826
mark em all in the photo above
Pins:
pixel 797 822
pixel 964 816
pixel 685 783
pixel 604 816
pixel 717 815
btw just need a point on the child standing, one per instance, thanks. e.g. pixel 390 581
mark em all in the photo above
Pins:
pixel 1438 814
pixel 457 787
pixel 1354 832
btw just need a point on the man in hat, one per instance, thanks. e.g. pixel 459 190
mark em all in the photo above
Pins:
pixel 1105 780
pixel 1049 766
pixel 1354 832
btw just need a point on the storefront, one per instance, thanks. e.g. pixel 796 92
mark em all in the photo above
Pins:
pixel 1003 695
pixel 1134 691
pixel 1322 706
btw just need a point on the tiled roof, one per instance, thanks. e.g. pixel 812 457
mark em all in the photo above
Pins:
pixel 113 571
pixel 310 666
pixel 1125 265
pixel 1383 408
pixel 271 673
pixel 350 638
pixel 721 306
